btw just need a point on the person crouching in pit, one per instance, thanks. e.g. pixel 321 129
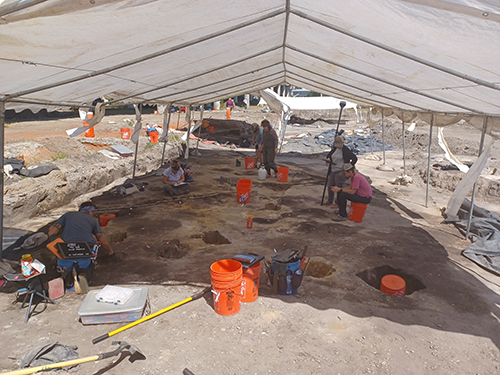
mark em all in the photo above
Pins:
pixel 174 180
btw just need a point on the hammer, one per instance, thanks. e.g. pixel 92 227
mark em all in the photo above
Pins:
pixel 135 354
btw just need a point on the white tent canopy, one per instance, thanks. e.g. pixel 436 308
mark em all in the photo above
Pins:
pixel 412 55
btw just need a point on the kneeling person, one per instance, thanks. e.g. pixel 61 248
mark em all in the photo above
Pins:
pixel 359 191
pixel 174 180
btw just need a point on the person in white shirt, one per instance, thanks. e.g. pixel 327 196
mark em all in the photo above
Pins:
pixel 174 180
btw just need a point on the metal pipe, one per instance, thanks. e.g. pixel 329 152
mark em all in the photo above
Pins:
pixel 138 110
pixel 189 115
pixel 199 128
pixel 2 140
pixel 429 162
pixel 166 128
pixel 481 145
pixel 383 137
pixel 404 144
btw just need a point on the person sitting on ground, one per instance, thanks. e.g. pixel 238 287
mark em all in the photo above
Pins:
pixel 257 140
pixel 174 180
pixel 337 157
pixel 359 191
pixel 269 147
pixel 79 226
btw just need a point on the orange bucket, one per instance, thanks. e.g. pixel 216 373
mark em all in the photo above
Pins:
pixel 226 276
pixel 283 174
pixel 357 212
pixel 228 113
pixel 125 133
pixel 243 193
pixel 393 285
pixel 205 123
pixel 250 283
pixel 154 137
pixel 89 133
pixel 104 218
pixel 249 163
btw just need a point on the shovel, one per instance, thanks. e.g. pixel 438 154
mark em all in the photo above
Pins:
pixel 147 317
pixel 135 354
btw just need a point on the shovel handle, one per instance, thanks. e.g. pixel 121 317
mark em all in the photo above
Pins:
pixel 33 370
pixel 148 317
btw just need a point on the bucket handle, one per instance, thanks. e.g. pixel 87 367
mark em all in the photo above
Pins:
pixel 217 295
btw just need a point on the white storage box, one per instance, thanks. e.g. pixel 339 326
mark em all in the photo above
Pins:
pixel 93 312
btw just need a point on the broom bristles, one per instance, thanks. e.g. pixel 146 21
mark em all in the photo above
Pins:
pixel 78 289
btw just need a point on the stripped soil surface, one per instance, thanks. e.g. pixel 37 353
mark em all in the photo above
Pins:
pixel 339 322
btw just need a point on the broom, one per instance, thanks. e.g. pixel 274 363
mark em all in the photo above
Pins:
pixel 78 289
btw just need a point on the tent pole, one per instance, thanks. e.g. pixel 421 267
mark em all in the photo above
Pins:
pixel 404 145
pixel 199 129
pixel 429 162
pixel 189 118
pixel 383 137
pixel 138 112
pixel 481 145
pixel 166 128
pixel 2 140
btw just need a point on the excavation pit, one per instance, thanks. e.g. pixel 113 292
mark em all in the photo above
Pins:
pixel 319 269
pixel 373 277
pixel 215 238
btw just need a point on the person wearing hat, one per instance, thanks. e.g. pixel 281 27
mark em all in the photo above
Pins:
pixel 359 191
pixel 269 147
pixel 257 132
pixel 81 226
pixel 337 157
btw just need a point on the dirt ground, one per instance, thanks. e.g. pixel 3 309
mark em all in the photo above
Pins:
pixel 337 323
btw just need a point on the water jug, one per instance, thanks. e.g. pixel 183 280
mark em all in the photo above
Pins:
pixel 262 173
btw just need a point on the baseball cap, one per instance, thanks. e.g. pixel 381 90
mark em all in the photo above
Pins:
pixel 87 206
pixel 347 167
pixel 339 141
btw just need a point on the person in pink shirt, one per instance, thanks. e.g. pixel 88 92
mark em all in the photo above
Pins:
pixel 359 191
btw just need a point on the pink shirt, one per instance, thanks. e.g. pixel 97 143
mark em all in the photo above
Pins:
pixel 362 186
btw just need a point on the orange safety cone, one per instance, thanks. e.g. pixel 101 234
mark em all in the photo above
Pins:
pixel 89 133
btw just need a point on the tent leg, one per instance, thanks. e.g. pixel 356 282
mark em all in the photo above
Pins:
pixel 189 117
pixel 199 130
pixel 429 162
pixel 404 146
pixel 166 128
pixel 383 138
pixel 138 114
pixel 481 145
pixel 2 140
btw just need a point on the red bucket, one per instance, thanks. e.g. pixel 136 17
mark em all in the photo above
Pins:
pixel 357 212
pixel 249 163
pixel 250 283
pixel 226 276
pixel 154 137
pixel 282 174
pixel 393 285
pixel 125 133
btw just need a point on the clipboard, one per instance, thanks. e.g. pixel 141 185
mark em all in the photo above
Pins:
pixel 248 260
pixel 73 250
